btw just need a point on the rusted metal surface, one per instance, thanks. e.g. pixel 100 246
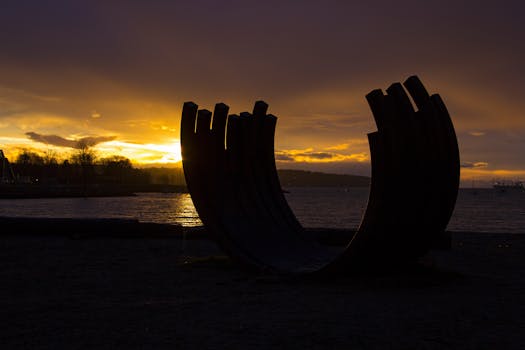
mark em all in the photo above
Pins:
pixel 230 171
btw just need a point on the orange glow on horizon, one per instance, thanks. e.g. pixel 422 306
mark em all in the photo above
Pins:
pixel 139 154
pixel 169 155
pixel 484 174
pixel 144 154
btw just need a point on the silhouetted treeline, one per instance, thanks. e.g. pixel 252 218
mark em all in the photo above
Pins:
pixel 167 176
pixel 81 168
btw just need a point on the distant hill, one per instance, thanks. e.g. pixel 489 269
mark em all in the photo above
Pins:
pixel 288 178
pixel 301 178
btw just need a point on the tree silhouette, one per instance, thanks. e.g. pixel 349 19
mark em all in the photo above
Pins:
pixel 84 158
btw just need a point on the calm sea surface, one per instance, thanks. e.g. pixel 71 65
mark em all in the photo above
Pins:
pixel 483 210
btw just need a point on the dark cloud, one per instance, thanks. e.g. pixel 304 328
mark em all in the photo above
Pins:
pixel 287 47
pixel 281 157
pixel 310 155
pixel 292 156
pixel 246 49
pixel 316 155
pixel 473 165
pixel 59 141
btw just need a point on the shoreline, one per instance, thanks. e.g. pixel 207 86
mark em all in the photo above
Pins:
pixel 34 191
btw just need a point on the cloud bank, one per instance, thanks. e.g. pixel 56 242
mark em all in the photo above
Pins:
pixel 60 141
pixel 311 156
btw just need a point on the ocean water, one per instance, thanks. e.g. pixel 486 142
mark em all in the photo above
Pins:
pixel 480 210
pixel 476 210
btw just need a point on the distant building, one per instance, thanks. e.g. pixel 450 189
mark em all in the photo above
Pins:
pixel 6 171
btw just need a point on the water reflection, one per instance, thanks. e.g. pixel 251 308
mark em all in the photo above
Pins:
pixel 487 211
pixel 169 208
pixel 328 207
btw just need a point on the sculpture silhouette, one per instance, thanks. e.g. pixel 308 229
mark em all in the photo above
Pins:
pixel 231 175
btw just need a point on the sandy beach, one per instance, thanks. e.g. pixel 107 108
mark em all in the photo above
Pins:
pixel 60 292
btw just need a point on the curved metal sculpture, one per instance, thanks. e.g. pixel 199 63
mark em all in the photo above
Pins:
pixel 230 172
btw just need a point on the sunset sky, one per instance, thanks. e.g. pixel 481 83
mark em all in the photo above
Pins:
pixel 116 73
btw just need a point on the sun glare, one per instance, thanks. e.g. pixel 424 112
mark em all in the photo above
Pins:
pixel 144 154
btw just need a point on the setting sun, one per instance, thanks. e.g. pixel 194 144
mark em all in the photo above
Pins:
pixel 144 154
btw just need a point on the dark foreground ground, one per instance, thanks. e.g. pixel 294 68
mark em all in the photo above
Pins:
pixel 135 293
